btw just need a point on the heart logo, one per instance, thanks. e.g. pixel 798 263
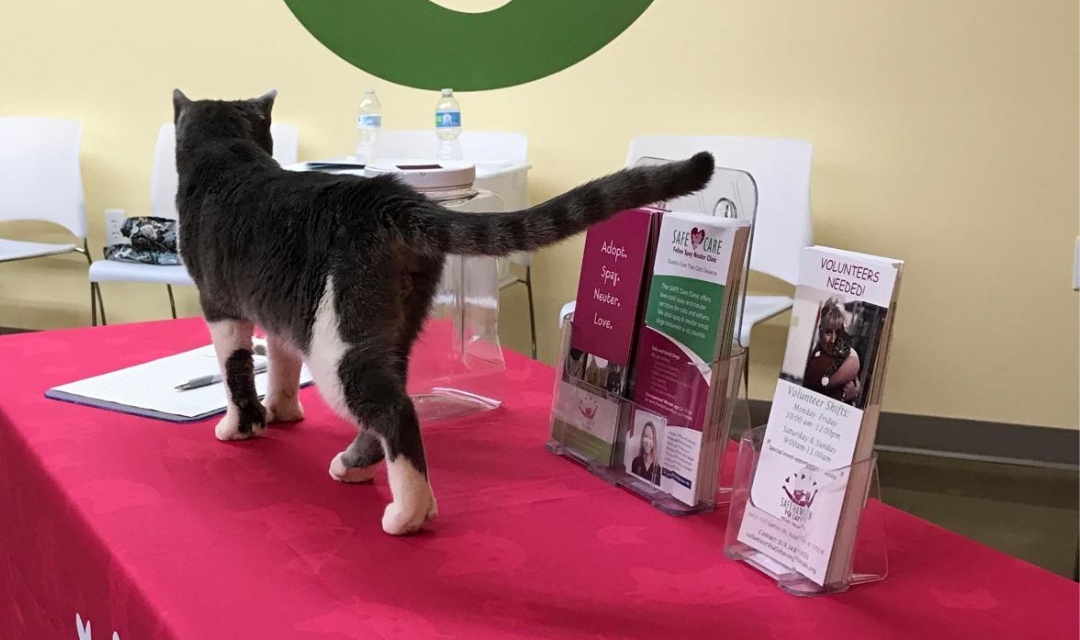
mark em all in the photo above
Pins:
pixel 697 236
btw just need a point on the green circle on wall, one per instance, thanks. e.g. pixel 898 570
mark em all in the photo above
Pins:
pixel 420 44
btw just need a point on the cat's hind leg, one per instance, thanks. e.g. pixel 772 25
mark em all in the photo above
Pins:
pixel 375 394
pixel 283 388
pixel 244 415
pixel 360 461
pixel 362 381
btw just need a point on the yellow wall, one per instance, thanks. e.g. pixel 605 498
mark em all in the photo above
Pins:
pixel 945 134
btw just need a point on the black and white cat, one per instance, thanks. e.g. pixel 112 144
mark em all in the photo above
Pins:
pixel 340 271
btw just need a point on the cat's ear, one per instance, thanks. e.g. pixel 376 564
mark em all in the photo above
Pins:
pixel 266 102
pixel 179 101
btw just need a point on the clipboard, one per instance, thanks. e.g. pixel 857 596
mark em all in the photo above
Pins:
pixel 148 389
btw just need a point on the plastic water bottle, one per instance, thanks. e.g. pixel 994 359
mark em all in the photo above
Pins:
pixel 368 124
pixel 448 126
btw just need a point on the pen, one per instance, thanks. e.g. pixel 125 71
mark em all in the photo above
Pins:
pixel 333 165
pixel 205 381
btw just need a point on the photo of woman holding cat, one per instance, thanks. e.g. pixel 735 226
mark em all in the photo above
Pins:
pixel 840 361
pixel 832 368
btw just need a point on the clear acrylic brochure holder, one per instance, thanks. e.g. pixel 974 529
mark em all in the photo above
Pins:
pixel 731 193
pixel 864 552
pixel 574 407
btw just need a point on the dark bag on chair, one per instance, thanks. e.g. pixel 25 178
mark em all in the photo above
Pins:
pixel 153 241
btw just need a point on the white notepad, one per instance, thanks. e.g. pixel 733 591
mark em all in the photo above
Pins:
pixel 149 389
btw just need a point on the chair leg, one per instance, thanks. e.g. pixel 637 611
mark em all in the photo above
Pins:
pixel 1076 564
pixel 532 310
pixel 101 302
pixel 746 375
pixel 93 305
pixel 95 290
pixel 172 301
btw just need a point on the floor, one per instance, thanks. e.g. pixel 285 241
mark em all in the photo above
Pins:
pixel 1028 512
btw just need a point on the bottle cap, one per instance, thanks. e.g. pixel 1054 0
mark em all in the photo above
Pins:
pixel 368 90
pixel 448 92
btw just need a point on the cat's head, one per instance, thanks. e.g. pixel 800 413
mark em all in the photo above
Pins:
pixel 200 121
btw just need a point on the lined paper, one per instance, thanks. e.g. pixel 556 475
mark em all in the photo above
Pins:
pixel 151 386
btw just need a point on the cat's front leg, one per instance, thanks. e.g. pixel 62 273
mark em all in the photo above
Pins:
pixel 282 399
pixel 244 415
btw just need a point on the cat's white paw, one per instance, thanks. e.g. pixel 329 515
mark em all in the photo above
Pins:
pixel 414 503
pixel 342 473
pixel 284 411
pixel 401 519
pixel 229 428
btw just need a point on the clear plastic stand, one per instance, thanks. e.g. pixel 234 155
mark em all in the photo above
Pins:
pixel 574 443
pixel 862 548
pixel 461 370
pixel 457 365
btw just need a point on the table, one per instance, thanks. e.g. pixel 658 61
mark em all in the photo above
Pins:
pixel 507 178
pixel 157 530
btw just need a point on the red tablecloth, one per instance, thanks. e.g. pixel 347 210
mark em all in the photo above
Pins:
pixel 157 530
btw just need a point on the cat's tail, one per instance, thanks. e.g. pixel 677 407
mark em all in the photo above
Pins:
pixel 436 229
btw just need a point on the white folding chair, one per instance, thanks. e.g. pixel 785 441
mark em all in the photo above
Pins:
pixel 502 163
pixel 41 180
pixel 164 182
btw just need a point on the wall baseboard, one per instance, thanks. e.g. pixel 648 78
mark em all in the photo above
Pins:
pixel 967 439
pixel 4 330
